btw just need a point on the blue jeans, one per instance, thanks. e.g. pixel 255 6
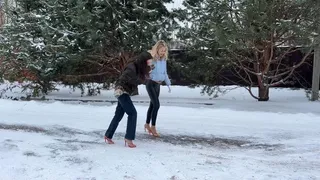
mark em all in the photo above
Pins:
pixel 124 105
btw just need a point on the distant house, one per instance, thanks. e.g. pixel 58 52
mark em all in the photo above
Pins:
pixel 176 45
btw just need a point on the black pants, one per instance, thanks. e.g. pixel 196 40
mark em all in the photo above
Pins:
pixel 153 89
pixel 125 105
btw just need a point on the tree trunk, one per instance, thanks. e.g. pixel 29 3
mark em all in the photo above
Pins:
pixel 264 68
pixel 263 93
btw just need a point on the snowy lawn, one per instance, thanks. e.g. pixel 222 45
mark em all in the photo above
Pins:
pixel 235 138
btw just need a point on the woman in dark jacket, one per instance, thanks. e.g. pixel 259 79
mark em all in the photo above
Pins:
pixel 135 73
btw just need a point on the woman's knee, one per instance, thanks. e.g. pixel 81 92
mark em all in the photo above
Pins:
pixel 132 112
pixel 156 105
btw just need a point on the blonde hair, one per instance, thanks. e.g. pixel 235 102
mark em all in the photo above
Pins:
pixel 155 49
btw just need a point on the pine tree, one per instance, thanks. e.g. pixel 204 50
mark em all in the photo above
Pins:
pixel 30 43
pixel 250 32
pixel 202 64
pixel 81 38
pixel 147 22
pixel 113 30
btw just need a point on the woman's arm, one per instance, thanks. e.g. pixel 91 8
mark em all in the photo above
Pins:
pixel 167 80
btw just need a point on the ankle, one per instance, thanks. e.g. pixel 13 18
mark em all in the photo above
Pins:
pixel 129 143
pixel 153 128
pixel 154 131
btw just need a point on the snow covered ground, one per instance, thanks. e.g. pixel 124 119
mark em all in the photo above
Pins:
pixel 229 137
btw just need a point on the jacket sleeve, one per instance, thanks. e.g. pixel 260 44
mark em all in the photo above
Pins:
pixel 129 76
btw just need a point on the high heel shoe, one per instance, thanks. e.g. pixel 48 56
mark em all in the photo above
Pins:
pixel 154 131
pixel 147 128
pixel 130 143
pixel 108 140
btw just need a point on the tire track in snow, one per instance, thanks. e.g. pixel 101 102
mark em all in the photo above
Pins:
pixel 182 140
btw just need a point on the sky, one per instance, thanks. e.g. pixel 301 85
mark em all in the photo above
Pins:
pixel 175 4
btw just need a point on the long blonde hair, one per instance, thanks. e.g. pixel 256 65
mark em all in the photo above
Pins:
pixel 155 49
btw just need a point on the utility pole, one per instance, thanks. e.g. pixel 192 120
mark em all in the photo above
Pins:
pixel 316 74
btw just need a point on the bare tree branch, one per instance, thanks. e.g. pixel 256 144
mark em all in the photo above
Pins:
pixel 250 92
pixel 270 47
pixel 290 72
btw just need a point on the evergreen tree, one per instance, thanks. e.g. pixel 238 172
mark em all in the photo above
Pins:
pixel 114 30
pixel 250 32
pixel 147 22
pixel 53 39
pixel 29 43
